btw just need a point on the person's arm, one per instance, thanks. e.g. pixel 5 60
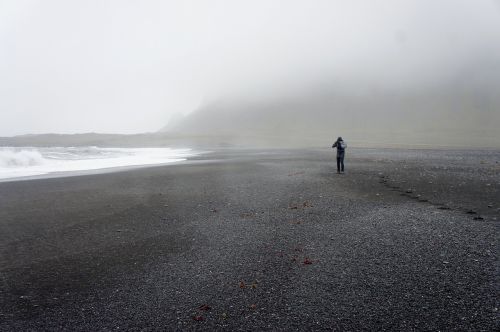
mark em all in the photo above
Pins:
pixel 334 145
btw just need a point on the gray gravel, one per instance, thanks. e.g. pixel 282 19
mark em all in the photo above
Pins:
pixel 257 240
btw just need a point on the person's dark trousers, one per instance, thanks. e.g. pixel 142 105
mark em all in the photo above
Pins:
pixel 340 161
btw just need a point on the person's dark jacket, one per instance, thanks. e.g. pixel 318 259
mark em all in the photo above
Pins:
pixel 340 145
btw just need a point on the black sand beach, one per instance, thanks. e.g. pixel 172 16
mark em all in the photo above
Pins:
pixel 258 240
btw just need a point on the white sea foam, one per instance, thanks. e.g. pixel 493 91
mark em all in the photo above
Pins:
pixel 29 161
pixel 23 158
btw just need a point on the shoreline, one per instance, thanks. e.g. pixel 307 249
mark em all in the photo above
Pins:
pixel 104 170
pixel 107 170
pixel 200 152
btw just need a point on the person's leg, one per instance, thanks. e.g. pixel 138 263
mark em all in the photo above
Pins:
pixel 342 162
pixel 338 164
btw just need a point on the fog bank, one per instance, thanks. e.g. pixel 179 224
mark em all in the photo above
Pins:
pixel 416 71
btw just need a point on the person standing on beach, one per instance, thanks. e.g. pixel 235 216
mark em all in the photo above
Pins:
pixel 341 146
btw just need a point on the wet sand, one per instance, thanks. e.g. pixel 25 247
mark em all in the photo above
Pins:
pixel 258 240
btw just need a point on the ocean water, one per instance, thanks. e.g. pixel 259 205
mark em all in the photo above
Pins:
pixel 29 161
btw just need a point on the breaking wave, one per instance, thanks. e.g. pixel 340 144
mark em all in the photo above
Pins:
pixel 23 158
pixel 29 161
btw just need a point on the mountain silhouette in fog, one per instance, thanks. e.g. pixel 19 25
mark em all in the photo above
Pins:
pixel 464 113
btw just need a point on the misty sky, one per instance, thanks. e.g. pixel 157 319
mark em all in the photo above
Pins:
pixel 127 66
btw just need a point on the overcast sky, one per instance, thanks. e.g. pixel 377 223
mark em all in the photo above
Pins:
pixel 127 66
